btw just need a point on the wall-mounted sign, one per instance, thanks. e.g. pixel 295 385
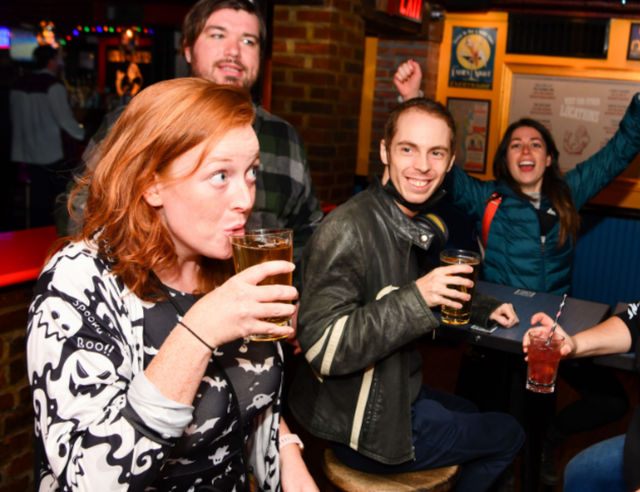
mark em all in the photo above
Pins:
pixel 472 129
pixel 634 42
pixel 472 56
pixel 581 113
pixel 134 67
pixel 408 9
pixel 411 9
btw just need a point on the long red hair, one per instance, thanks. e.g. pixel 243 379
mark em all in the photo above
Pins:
pixel 161 123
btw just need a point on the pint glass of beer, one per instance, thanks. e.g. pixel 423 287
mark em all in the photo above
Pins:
pixel 460 316
pixel 262 245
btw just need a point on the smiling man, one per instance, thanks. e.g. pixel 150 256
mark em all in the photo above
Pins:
pixel 223 41
pixel 371 289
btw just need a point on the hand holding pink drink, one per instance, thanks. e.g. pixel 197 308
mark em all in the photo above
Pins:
pixel 545 346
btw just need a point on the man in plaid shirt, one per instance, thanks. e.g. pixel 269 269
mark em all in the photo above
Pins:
pixel 222 42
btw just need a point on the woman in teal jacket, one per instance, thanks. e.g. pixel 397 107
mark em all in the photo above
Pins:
pixel 531 239
pixel 532 235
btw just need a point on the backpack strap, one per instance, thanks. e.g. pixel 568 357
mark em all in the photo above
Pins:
pixel 492 207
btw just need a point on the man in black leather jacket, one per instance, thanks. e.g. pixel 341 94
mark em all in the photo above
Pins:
pixel 369 289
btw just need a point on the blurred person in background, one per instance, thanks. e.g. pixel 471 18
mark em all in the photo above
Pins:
pixel 40 111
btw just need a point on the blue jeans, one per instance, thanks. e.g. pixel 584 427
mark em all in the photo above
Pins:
pixel 449 430
pixel 597 468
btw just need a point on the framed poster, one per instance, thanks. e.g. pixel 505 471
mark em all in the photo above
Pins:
pixel 581 113
pixel 472 54
pixel 472 129
pixel 633 52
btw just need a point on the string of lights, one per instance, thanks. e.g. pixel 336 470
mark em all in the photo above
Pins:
pixel 129 31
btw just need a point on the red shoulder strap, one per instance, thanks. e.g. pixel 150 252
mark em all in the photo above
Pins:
pixel 492 207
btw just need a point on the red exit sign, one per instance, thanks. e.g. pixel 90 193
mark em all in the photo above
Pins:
pixel 410 9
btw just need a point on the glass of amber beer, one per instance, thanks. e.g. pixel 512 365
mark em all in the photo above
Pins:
pixel 460 316
pixel 543 359
pixel 262 245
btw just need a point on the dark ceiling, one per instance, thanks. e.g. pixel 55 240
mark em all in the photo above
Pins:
pixel 66 13
pixel 608 8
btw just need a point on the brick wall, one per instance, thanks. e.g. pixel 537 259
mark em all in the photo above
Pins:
pixel 16 412
pixel 318 54
pixel 391 54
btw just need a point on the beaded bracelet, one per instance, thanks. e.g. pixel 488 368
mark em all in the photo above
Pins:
pixel 287 439
pixel 197 336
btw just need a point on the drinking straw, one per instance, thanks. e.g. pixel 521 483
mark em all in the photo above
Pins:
pixel 555 321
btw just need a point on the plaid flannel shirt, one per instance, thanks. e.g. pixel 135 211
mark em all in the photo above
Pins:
pixel 285 195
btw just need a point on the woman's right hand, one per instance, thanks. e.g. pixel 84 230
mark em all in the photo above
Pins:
pixel 237 308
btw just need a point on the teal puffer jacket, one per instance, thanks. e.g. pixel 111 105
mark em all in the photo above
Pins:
pixel 514 253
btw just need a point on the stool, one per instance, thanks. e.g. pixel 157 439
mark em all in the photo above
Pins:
pixel 350 480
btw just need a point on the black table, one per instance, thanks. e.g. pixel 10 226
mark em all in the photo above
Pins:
pixel 577 315
pixel 535 410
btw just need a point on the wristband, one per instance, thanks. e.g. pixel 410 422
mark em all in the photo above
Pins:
pixel 287 439
pixel 197 336
pixel 420 94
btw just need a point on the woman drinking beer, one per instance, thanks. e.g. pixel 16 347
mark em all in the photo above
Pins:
pixel 141 374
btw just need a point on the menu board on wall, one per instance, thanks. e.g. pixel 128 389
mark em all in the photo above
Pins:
pixel 582 114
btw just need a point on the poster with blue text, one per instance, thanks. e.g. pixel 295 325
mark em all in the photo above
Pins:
pixel 472 55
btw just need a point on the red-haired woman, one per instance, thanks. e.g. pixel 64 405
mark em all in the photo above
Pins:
pixel 141 374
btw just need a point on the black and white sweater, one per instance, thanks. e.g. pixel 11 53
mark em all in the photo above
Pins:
pixel 101 425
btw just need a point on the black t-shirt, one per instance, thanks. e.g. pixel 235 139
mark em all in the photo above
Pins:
pixel 209 455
